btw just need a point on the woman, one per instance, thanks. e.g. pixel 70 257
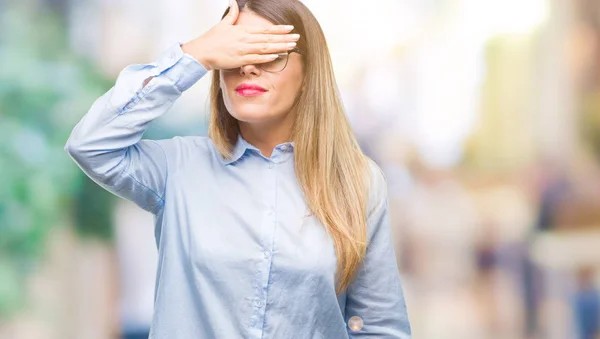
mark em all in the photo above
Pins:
pixel 276 226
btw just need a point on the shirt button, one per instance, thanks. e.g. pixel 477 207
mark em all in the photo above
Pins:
pixel 355 323
pixel 259 303
pixel 270 212
pixel 270 166
pixel 284 148
pixel 267 254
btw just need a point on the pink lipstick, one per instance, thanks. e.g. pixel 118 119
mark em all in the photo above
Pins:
pixel 249 90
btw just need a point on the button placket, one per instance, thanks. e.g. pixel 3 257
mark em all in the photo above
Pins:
pixel 264 266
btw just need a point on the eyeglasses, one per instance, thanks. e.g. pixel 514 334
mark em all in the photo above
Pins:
pixel 274 66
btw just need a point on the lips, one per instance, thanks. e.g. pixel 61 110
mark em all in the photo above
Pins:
pixel 249 90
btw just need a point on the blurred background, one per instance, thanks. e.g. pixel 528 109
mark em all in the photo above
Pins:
pixel 484 115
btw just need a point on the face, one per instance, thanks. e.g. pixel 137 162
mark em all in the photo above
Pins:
pixel 280 89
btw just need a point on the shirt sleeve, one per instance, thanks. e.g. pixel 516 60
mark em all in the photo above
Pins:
pixel 376 296
pixel 107 143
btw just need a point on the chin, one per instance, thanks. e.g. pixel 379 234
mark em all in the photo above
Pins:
pixel 250 113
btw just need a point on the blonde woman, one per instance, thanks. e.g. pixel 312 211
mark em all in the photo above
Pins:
pixel 274 226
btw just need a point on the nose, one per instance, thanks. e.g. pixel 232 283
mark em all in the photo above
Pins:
pixel 249 69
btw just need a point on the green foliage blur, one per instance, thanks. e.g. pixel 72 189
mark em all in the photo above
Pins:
pixel 44 90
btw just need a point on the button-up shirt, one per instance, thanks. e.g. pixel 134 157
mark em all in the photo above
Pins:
pixel 240 255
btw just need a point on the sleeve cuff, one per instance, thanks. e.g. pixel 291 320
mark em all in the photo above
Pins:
pixel 181 68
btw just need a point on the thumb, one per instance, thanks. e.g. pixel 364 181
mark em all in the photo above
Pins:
pixel 233 13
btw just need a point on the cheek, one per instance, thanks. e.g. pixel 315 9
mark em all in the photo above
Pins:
pixel 288 86
pixel 225 82
pixel 293 78
pixel 287 93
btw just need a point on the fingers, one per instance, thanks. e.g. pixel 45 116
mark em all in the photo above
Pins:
pixel 233 13
pixel 270 48
pixel 253 59
pixel 273 38
pixel 275 29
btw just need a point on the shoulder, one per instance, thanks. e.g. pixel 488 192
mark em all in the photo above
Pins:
pixel 185 144
pixel 181 149
pixel 377 205
pixel 376 189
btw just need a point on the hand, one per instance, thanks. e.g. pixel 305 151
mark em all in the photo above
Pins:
pixel 227 46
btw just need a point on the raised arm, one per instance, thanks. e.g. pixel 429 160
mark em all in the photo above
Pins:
pixel 107 143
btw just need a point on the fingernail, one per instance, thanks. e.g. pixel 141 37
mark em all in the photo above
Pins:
pixel 291 44
pixel 296 36
pixel 288 27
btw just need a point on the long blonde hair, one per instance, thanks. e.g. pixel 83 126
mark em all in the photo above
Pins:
pixel 329 165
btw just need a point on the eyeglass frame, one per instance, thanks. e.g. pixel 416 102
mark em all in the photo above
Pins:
pixel 294 50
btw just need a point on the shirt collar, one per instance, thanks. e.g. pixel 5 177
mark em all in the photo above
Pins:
pixel 242 146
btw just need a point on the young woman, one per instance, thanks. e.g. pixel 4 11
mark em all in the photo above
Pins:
pixel 274 226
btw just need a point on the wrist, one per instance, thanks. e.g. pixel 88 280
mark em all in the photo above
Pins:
pixel 186 48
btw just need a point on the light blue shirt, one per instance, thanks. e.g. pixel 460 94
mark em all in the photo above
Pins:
pixel 239 254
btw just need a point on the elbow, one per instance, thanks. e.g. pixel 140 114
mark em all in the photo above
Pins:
pixel 82 146
pixel 101 164
pixel 81 155
pixel 74 149
pixel 71 148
